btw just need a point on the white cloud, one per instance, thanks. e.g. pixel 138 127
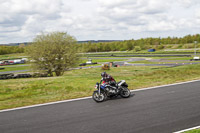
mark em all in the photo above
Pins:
pixel 151 15
pixel 197 13
pixel 188 3
pixel 21 20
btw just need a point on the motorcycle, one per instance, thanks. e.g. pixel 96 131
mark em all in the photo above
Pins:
pixel 110 90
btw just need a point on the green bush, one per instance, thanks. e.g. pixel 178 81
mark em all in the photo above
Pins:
pixel 180 45
pixel 186 46
pixel 168 46
pixel 160 47
pixel 175 46
pixel 137 48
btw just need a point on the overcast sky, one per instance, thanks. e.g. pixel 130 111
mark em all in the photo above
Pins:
pixel 22 20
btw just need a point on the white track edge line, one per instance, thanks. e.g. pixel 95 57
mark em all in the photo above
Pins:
pixel 39 105
pixel 154 87
pixel 197 127
pixel 70 100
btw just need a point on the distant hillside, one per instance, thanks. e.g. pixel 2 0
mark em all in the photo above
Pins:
pixel 98 41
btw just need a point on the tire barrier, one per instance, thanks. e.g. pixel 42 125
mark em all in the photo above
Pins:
pixel 6 76
pixel 21 75
pixel 84 64
pixel 194 59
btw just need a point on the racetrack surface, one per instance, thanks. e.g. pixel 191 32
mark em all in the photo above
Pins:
pixel 160 110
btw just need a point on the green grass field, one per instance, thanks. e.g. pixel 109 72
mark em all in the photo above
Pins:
pixel 173 58
pixel 193 131
pixel 80 83
pixel 12 56
pixel 103 60
pixel 143 52
pixel 14 68
pixel 143 62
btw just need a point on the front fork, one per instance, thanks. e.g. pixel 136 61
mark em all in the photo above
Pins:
pixel 99 91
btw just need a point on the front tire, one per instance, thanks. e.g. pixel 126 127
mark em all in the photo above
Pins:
pixel 125 93
pixel 98 97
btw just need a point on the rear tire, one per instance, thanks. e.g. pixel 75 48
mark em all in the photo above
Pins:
pixel 125 93
pixel 98 98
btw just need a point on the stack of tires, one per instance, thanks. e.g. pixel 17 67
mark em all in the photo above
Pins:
pixel 14 76
pixel 6 76
pixel 22 75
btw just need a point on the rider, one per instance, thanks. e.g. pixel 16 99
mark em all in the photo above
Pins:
pixel 107 79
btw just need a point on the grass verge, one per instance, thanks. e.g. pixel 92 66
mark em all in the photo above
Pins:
pixel 12 56
pixel 193 131
pixel 14 68
pixel 103 60
pixel 144 62
pixel 80 83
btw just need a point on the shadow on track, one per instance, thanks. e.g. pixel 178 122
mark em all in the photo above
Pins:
pixel 119 97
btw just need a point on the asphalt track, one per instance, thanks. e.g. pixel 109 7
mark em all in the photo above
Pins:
pixel 160 110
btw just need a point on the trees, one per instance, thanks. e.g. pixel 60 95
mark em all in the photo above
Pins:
pixel 143 43
pixel 129 45
pixel 53 52
pixel 11 49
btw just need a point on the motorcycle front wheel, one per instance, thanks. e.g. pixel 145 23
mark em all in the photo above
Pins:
pixel 98 97
pixel 125 93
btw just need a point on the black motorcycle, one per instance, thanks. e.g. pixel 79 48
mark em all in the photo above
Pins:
pixel 110 90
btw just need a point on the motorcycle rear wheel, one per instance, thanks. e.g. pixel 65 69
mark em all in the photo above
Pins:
pixel 98 97
pixel 125 93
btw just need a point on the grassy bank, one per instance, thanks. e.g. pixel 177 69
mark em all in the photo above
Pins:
pixel 103 60
pixel 193 131
pixel 145 53
pixel 12 56
pixel 80 83
pixel 15 68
